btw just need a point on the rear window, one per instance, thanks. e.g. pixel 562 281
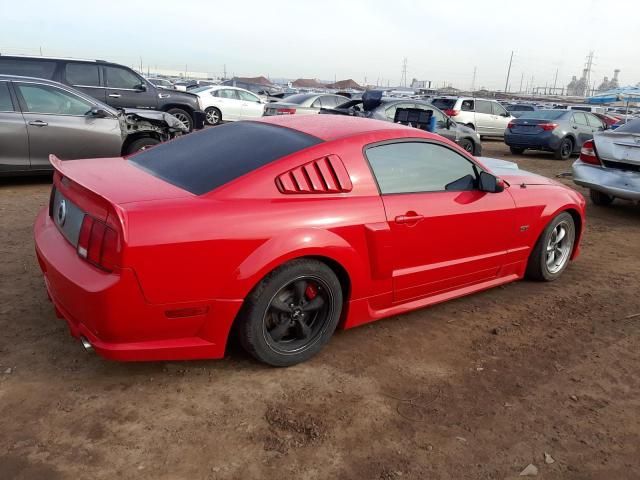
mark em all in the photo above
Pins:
pixel 545 114
pixel 444 103
pixel 27 67
pixel 201 162
pixel 632 126
pixel 299 98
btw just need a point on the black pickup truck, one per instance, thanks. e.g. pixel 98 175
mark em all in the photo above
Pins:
pixel 116 85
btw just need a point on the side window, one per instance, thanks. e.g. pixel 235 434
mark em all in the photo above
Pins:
pixel 330 101
pixel 467 106
pixel 121 78
pixel 594 121
pixel 6 105
pixel 390 112
pixel 82 74
pixel 483 106
pixel 497 108
pixel 247 97
pixel 420 167
pixel 317 103
pixel 51 100
pixel 580 118
pixel 27 68
pixel 228 93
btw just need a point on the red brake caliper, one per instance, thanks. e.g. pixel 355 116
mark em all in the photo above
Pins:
pixel 311 291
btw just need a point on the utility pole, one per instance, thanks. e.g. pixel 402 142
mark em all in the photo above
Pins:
pixel 224 74
pixel 506 84
pixel 521 79
pixel 473 81
pixel 588 66
pixel 141 71
pixel 403 78
pixel 40 51
pixel 555 81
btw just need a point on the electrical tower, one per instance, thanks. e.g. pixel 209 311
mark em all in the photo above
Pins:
pixel 473 80
pixel 403 79
pixel 588 66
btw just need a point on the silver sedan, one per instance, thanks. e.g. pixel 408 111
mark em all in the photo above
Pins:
pixel 304 104
pixel 609 165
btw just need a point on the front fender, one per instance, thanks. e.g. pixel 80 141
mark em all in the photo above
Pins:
pixel 308 242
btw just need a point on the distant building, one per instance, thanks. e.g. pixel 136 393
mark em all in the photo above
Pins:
pixel 610 85
pixel 420 84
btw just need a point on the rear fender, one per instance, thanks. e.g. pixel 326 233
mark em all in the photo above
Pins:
pixel 299 243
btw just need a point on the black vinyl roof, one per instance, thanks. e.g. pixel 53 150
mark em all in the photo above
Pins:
pixel 202 161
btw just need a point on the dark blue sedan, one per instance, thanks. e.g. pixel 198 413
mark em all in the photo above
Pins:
pixel 559 131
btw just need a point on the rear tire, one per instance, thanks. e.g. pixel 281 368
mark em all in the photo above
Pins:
pixel 213 116
pixel 183 116
pixel 565 149
pixel 280 324
pixel 467 145
pixel 552 251
pixel 141 144
pixel 516 150
pixel 600 198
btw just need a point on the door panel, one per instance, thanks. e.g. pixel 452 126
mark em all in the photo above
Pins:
pixel 484 118
pixel 14 142
pixel 445 233
pixel 582 129
pixel 251 105
pixel 462 239
pixel 122 89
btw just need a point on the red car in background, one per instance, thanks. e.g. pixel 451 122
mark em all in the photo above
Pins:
pixel 284 229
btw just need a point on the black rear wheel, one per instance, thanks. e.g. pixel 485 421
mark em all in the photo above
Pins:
pixel 565 149
pixel 599 198
pixel 516 150
pixel 467 145
pixel 291 314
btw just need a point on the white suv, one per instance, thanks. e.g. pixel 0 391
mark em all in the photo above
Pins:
pixel 487 117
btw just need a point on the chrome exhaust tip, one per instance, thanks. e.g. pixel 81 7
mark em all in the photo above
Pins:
pixel 87 346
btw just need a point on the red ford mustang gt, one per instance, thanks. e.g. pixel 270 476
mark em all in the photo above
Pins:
pixel 284 229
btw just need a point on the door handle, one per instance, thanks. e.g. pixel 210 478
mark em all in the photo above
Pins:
pixel 409 217
pixel 575 127
pixel 115 95
pixel 38 123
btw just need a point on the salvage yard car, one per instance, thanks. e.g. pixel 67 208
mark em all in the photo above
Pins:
pixel 228 104
pixel 333 220
pixel 609 165
pixel 110 83
pixel 487 117
pixel 39 117
pixel 304 104
pixel 559 131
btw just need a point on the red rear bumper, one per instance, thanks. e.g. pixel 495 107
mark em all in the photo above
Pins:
pixel 111 312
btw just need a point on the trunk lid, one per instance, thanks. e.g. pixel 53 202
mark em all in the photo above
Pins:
pixel 619 148
pixel 527 126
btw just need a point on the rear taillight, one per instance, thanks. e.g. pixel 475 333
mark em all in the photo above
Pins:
pixel 285 111
pixel 547 127
pixel 588 153
pixel 511 125
pixel 98 244
pixel 451 112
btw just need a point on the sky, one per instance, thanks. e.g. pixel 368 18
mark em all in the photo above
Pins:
pixel 443 41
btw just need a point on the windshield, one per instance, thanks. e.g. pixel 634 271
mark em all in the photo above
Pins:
pixel 632 126
pixel 544 114
pixel 444 103
pixel 199 89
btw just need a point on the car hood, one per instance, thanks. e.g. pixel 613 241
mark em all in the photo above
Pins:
pixel 512 174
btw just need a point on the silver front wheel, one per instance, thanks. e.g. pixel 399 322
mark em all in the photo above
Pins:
pixel 559 247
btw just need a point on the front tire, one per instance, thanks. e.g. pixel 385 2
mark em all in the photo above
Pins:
pixel 565 149
pixel 141 144
pixel 183 116
pixel 600 198
pixel 213 116
pixel 553 249
pixel 291 314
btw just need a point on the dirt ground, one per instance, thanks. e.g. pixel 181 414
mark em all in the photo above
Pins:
pixel 477 388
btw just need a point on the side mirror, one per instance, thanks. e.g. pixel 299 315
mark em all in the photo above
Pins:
pixel 140 88
pixel 490 183
pixel 97 112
